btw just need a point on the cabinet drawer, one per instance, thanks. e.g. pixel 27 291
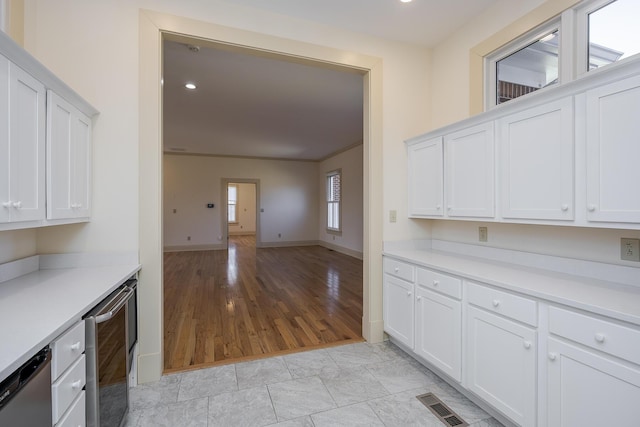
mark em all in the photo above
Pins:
pixel 66 349
pixel 439 282
pixel 76 415
pixel 608 337
pixel 399 269
pixel 67 388
pixel 504 303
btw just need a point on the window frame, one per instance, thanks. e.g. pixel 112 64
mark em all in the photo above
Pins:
pixel 524 40
pixel 236 219
pixel 329 175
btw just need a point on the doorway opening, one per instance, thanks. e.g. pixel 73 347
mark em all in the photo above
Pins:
pixel 242 222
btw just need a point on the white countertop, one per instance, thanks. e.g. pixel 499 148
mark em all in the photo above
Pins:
pixel 37 307
pixel 616 300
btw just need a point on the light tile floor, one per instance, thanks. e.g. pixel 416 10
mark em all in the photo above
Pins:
pixel 352 385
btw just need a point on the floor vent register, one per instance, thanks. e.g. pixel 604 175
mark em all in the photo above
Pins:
pixel 440 410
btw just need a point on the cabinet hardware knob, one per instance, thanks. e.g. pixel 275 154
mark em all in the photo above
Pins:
pixel 419 298
pixel 564 207
pixel 6 204
pixel 17 204
pixel 527 344
pixel 438 207
pixel 76 384
pixel 75 346
pixel 495 302
pixel 449 208
pixel 436 283
pixel 591 208
pixel 396 269
pixel 552 356
pixel 599 337
pixel 409 293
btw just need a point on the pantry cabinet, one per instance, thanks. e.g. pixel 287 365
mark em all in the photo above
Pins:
pixel 613 152
pixel 68 160
pixel 22 145
pixel 536 162
pixel 469 172
pixel 425 179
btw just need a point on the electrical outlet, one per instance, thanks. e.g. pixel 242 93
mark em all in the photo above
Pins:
pixel 279 235
pixel 188 237
pixel 483 234
pixel 393 216
pixel 630 249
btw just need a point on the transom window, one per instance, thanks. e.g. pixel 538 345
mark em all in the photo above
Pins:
pixel 334 194
pixel 594 34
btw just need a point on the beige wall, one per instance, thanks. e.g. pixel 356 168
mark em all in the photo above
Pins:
pixel 350 163
pixel 99 48
pixel 288 195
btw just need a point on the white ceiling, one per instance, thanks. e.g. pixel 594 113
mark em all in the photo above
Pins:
pixel 257 106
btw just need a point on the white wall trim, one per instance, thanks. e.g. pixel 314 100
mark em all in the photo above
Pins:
pixel 341 249
pixel 191 248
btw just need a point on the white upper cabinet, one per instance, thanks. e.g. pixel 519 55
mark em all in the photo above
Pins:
pixel 68 160
pixel 425 178
pixel 613 152
pixel 469 172
pixel 536 162
pixel 23 192
pixel 5 202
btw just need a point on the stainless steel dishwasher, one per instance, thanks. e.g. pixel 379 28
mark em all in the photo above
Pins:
pixel 25 396
pixel 107 351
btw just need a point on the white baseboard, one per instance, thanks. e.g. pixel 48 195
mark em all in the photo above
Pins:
pixel 341 249
pixel 287 244
pixel 187 248
pixel 149 367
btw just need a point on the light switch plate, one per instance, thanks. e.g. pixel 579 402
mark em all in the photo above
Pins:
pixel 630 249
pixel 393 216
pixel 483 234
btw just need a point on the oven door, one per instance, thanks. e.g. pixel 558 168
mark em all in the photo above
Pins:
pixel 107 353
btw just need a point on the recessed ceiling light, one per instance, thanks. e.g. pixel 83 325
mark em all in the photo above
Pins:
pixel 405 1
pixel 190 86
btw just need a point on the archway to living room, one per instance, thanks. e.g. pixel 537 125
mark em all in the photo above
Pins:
pixel 301 285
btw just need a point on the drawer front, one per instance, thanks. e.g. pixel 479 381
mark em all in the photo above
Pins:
pixel 448 285
pixel 76 415
pixel 504 303
pixel 612 338
pixel 67 388
pixel 66 349
pixel 400 269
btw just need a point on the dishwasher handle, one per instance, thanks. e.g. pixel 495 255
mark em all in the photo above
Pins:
pixel 114 305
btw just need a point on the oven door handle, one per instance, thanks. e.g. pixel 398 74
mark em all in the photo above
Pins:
pixel 118 302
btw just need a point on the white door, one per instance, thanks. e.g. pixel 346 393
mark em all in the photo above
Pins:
pixel 425 178
pixel 27 146
pixel 469 172
pixel 501 364
pixel 438 331
pixel 398 310
pixel 588 390
pixel 613 152
pixel 536 162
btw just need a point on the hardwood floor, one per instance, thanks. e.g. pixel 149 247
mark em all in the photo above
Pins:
pixel 226 306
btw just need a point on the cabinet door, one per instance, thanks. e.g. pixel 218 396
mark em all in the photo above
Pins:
pixel 501 364
pixel 536 159
pixel 613 152
pixel 27 146
pixel 589 390
pixel 439 331
pixel 425 178
pixel 469 172
pixel 398 310
pixel 68 160
pixel 5 201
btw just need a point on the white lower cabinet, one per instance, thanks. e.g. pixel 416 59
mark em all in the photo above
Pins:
pixel 398 309
pixel 439 331
pixel 586 389
pixel 68 378
pixel 501 364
